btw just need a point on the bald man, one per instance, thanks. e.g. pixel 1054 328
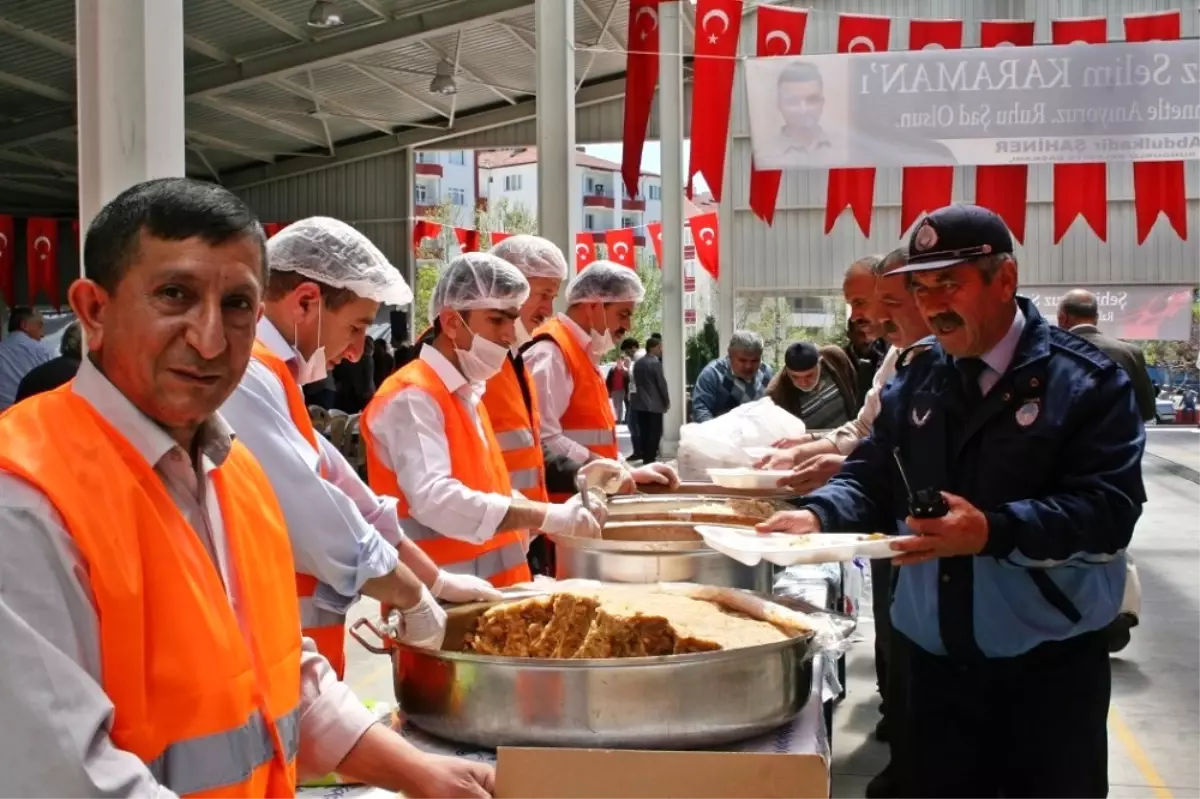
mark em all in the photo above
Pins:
pixel 1079 313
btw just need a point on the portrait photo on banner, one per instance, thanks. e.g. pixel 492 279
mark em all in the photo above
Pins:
pixel 1044 104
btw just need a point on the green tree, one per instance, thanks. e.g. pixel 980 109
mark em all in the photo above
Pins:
pixel 1176 357
pixel 647 317
pixel 702 348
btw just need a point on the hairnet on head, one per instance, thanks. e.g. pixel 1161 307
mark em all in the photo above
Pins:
pixel 605 281
pixel 533 255
pixel 333 253
pixel 479 280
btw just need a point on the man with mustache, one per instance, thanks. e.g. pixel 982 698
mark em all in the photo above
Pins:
pixel 1034 438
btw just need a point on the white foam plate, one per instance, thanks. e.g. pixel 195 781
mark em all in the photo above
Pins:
pixel 748 478
pixel 783 549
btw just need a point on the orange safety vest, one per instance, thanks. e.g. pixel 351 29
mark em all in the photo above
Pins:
pixel 475 463
pixel 589 419
pixel 326 628
pixel 210 706
pixel 513 408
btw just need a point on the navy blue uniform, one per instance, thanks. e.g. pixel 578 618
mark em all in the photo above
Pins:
pixel 1052 456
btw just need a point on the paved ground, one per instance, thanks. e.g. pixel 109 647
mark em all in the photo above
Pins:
pixel 1154 725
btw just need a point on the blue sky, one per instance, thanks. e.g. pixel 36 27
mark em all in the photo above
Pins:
pixel 651 157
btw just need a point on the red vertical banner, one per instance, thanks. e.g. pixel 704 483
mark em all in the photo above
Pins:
pixel 855 188
pixel 8 241
pixel 1158 186
pixel 1004 188
pixel 654 231
pixel 585 250
pixel 706 239
pixel 780 33
pixel 271 228
pixel 641 76
pixel 718 26
pixel 468 239
pixel 424 229
pixel 927 188
pixel 619 243
pixel 41 258
pixel 1080 189
pixel 496 238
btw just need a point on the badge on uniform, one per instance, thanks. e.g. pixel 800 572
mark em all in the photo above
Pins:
pixel 1027 414
pixel 920 417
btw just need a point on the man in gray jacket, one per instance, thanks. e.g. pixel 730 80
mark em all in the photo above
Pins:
pixel 1078 313
pixel 651 400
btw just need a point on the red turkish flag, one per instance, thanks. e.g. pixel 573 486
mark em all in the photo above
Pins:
pixel 855 188
pixel 927 188
pixel 424 229
pixel 780 33
pixel 1158 186
pixel 585 250
pixel 8 242
pixel 718 26
pixel 468 240
pixel 496 238
pixel 706 239
pixel 1080 189
pixel 78 241
pixel 41 258
pixel 620 246
pixel 1003 187
pixel 654 231
pixel 641 76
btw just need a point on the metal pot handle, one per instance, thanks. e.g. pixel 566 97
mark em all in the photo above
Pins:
pixel 365 622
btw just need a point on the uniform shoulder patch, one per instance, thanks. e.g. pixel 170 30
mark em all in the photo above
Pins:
pixel 911 354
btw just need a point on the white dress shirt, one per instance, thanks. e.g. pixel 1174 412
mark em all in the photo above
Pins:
pixel 999 357
pixel 846 437
pixel 334 535
pixel 19 353
pixel 54 740
pixel 552 380
pixel 409 433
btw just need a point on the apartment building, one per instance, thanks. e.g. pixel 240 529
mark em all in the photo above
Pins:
pixel 446 176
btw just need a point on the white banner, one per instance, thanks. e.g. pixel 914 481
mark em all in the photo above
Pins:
pixel 1133 313
pixel 1006 105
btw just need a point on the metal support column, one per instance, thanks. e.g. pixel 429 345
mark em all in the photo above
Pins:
pixel 726 283
pixel 670 127
pixel 409 211
pixel 129 78
pixel 558 191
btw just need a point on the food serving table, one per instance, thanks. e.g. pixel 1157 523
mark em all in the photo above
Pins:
pixel 807 733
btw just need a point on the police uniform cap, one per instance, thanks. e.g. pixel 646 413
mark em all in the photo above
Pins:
pixel 953 235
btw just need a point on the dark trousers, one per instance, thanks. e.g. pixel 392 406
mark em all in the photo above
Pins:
pixel 1028 726
pixel 881 608
pixel 649 434
pixel 631 417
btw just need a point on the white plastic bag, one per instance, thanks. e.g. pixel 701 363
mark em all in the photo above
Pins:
pixel 722 442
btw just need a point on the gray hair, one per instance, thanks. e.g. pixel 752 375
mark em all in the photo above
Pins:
pixel 746 341
pixel 71 344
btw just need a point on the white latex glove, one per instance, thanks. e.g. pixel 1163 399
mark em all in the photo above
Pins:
pixel 463 588
pixel 422 625
pixel 611 477
pixel 659 473
pixel 572 519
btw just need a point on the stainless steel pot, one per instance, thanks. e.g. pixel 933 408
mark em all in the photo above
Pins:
pixel 655 552
pixel 675 702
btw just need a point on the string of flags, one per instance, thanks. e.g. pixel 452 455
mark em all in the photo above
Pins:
pixel 620 244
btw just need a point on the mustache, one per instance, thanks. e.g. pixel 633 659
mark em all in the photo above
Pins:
pixel 946 319
pixel 889 327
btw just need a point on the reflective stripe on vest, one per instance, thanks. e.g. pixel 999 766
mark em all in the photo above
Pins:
pixel 476 463
pixel 589 419
pixel 515 439
pixel 225 758
pixel 525 479
pixel 330 642
pixel 174 685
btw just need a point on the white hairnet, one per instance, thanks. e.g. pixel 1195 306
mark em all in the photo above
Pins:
pixel 605 281
pixel 479 280
pixel 533 255
pixel 333 253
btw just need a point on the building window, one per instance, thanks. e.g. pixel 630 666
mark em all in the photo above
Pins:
pixel 689 302
pixel 512 182
pixel 627 221
pixel 458 158
pixel 426 157
pixel 456 196
pixel 589 222
pixel 600 190
pixel 654 192
pixel 591 186
pixel 421 194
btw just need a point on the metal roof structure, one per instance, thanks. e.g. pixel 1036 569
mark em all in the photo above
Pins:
pixel 263 87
